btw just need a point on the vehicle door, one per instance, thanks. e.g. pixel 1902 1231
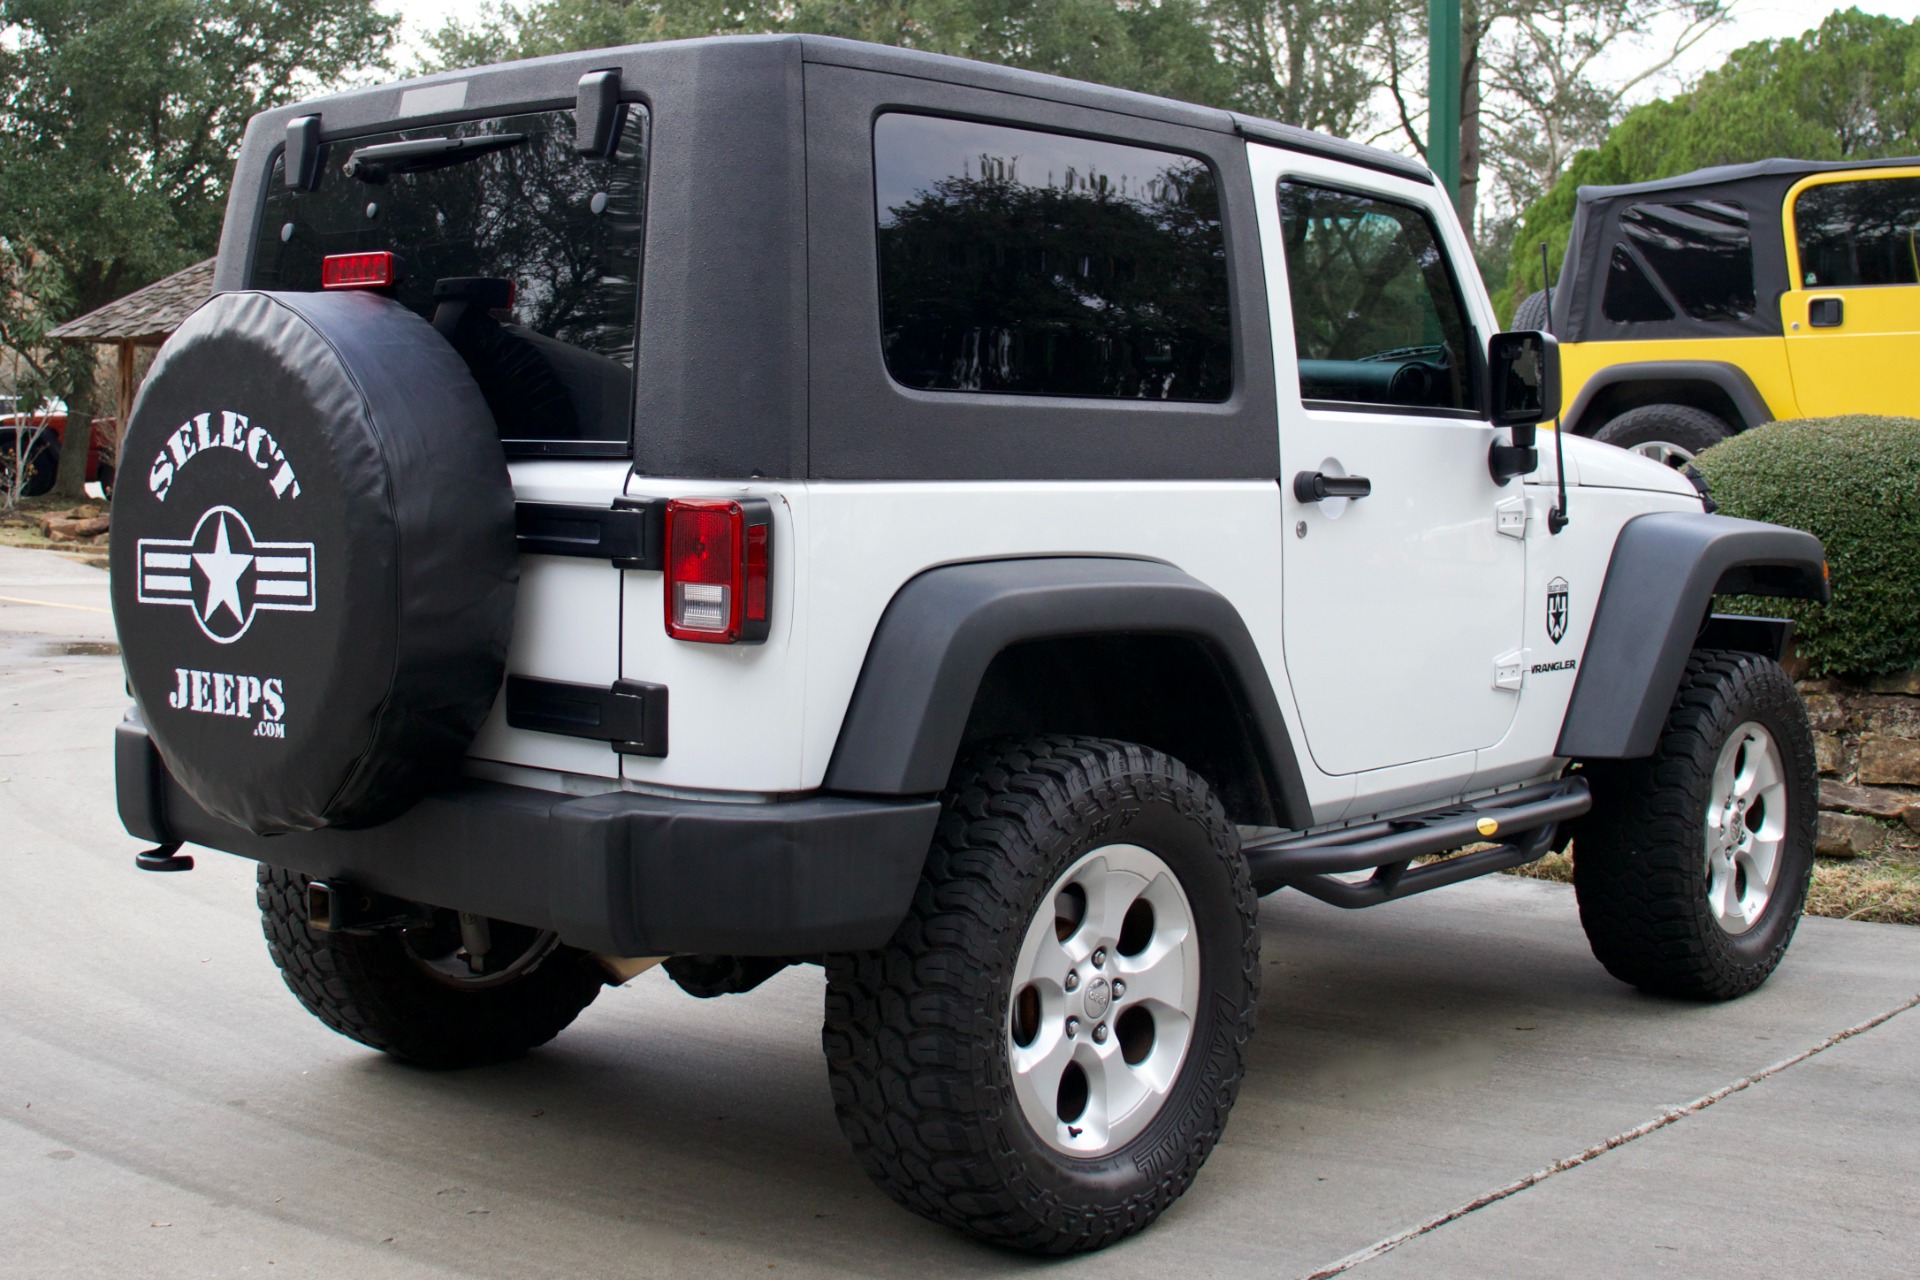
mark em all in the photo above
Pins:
pixel 1852 318
pixel 1403 608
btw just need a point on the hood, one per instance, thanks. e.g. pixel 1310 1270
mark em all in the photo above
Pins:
pixel 1603 466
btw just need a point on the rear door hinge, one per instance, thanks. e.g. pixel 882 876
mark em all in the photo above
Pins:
pixel 1510 670
pixel 631 715
pixel 628 533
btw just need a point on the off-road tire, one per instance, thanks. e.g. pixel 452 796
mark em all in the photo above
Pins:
pixel 369 988
pixel 1639 857
pixel 1675 425
pixel 1532 312
pixel 915 1033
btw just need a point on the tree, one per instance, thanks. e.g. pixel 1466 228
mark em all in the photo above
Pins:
pixel 1535 82
pixel 119 123
pixel 1848 89
pixel 1156 46
pixel 1313 63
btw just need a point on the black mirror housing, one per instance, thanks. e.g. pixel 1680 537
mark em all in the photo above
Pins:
pixel 1523 369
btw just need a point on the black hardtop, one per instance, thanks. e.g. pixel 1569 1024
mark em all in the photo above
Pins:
pixel 1760 188
pixel 754 357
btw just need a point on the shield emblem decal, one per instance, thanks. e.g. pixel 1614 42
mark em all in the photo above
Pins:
pixel 1557 609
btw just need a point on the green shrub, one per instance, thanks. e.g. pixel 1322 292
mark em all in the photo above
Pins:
pixel 1854 483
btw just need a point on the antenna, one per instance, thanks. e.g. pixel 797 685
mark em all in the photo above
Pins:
pixel 1557 518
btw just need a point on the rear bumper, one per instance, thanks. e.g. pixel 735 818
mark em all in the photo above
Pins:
pixel 621 873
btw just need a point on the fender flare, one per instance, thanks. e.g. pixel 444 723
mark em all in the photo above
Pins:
pixel 1730 379
pixel 945 626
pixel 1665 570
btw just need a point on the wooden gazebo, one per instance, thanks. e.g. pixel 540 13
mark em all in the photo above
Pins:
pixel 144 318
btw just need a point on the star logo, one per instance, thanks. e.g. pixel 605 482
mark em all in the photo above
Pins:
pixel 225 576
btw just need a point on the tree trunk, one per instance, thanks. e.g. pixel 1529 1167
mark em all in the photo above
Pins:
pixel 1471 32
pixel 75 442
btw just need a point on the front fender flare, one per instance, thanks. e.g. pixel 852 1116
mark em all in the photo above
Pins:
pixel 943 628
pixel 1666 569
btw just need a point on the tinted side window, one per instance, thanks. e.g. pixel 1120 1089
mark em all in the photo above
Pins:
pixel 1031 263
pixel 1630 295
pixel 564 230
pixel 1859 233
pixel 1377 316
pixel 1701 250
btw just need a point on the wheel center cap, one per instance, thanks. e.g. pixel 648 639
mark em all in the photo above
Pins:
pixel 1098 996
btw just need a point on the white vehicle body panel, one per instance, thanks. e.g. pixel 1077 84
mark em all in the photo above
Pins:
pixel 1379 629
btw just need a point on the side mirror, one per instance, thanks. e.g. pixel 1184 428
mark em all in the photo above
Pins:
pixel 1524 372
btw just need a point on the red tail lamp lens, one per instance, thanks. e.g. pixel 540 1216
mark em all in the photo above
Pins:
pixel 357 270
pixel 717 567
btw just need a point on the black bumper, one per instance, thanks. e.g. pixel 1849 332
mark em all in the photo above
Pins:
pixel 621 873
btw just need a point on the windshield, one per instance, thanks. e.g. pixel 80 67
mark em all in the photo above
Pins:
pixel 558 232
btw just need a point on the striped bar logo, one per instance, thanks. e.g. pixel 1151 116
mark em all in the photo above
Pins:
pixel 225 576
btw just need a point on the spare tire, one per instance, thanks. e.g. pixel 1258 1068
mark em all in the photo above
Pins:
pixel 313 558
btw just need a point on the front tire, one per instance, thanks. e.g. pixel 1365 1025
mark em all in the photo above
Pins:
pixel 1691 870
pixel 415 993
pixel 1049 1047
pixel 1670 434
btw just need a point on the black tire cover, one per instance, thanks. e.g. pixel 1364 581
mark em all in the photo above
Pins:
pixel 313 558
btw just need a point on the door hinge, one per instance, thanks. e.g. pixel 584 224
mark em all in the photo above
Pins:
pixel 1510 517
pixel 631 715
pixel 1510 670
pixel 628 533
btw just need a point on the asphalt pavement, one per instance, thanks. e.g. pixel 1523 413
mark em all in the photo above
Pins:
pixel 1448 1086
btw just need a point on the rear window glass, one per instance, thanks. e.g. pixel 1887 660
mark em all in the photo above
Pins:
pixel 562 229
pixel 1032 263
pixel 1702 251
pixel 1859 233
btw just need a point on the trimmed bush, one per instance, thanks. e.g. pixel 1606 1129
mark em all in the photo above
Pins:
pixel 1854 483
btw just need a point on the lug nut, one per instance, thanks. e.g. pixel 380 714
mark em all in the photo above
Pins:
pixel 1073 1027
pixel 1119 988
pixel 1073 982
pixel 1099 956
pixel 1100 1033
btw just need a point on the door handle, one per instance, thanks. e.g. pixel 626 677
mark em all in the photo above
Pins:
pixel 1826 313
pixel 1317 486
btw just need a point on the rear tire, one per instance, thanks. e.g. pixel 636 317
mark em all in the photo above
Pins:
pixel 1670 434
pixel 1691 870
pixel 950 1051
pixel 394 990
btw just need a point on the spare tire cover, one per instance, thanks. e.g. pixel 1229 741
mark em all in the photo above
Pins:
pixel 313 558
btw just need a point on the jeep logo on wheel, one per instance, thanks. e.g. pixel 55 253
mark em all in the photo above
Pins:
pixel 225 576
pixel 1557 609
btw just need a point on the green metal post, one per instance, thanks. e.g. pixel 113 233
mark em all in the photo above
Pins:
pixel 1443 93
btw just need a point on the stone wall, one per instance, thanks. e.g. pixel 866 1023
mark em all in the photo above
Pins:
pixel 1866 738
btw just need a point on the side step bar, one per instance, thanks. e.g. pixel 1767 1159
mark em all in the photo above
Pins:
pixel 1526 818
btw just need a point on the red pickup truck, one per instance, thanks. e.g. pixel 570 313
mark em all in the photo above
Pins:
pixel 30 445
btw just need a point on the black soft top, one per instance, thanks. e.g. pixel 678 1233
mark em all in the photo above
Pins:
pixel 1760 188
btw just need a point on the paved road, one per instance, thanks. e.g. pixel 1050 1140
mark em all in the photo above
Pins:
pixel 170 1111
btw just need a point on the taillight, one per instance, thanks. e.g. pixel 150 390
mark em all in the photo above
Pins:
pixel 718 565
pixel 357 270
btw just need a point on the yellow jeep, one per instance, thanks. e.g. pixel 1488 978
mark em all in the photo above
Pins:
pixel 1695 307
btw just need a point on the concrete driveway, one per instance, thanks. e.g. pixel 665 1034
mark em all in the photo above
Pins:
pixel 170 1111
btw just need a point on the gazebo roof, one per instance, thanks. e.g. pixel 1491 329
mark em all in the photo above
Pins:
pixel 146 315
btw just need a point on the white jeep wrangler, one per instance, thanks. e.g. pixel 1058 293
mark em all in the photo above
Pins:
pixel 783 500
